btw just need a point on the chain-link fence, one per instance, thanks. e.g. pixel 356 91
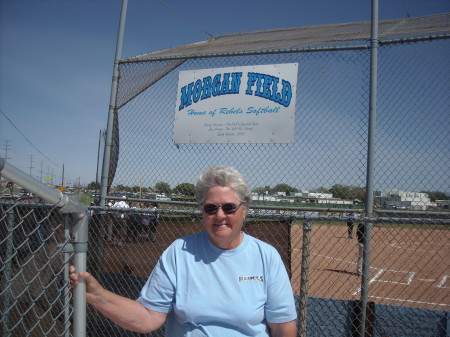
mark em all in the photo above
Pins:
pixel 332 250
pixel 40 230
pixel 407 234
pixel 35 296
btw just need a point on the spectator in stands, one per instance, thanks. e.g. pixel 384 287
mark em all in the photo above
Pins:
pixel 154 222
pixel 219 282
pixel 109 227
pixel 134 224
pixel 149 222
pixel 120 223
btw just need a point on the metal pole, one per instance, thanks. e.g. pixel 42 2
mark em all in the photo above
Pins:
pixel 304 280
pixel 67 255
pixel 370 165
pixel 98 159
pixel 112 107
pixel 7 274
pixel 55 197
pixel 80 247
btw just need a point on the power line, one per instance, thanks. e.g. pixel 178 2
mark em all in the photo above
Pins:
pixel 185 18
pixel 9 120
pixel 406 9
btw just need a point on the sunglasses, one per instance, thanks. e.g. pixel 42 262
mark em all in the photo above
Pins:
pixel 227 208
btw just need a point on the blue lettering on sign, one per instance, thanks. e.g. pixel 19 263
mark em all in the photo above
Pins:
pixel 265 110
pixel 260 85
pixel 193 112
pixel 220 84
pixel 266 86
pixel 232 111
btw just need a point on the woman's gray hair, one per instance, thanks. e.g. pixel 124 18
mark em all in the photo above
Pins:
pixel 224 176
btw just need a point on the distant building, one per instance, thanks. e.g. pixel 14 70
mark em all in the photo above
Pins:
pixel 270 197
pixel 319 198
pixel 304 197
pixel 312 199
pixel 307 194
pixel 443 204
pixel 398 199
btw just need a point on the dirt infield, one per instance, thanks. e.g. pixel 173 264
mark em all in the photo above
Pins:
pixel 409 267
pixel 139 258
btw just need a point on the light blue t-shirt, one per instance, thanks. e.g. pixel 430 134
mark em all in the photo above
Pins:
pixel 213 292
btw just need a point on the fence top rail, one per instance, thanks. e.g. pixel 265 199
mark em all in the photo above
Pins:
pixel 254 207
pixel 54 197
pixel 244 53
pixel 355 211
pixel 444 219
pixel 306 37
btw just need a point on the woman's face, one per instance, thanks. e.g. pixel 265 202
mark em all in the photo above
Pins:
pixel 224 230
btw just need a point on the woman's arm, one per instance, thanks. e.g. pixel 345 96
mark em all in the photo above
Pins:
pixel 125 312
pixel 288 329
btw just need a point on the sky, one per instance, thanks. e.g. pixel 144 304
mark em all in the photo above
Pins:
pixel 56 62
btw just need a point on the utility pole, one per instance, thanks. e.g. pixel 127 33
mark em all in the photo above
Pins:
pixel 6 149
pixel 42 163
pixel 47 178
pixel 62 178
pixel 31 165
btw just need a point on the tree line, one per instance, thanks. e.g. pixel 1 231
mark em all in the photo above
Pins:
pixel 160 187
pixel 337 191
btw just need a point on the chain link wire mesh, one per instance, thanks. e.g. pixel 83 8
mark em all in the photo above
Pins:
pixel 316 228
pixel 409 233
pixel 34 250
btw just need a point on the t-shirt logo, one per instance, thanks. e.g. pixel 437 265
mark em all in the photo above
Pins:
pixel 251 278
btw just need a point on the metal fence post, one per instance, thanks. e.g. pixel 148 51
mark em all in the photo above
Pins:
pixel 67 253
pixel 365 278
pixel 112 108
pixel 80 245
pixel 7 274
pixel 304 285
pixel 370 164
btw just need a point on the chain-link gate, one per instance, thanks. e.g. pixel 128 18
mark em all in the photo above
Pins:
pixel 331 249
pixel 33 284
pixel 41 232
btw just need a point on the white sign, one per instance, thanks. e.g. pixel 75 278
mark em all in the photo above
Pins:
pixel 251 104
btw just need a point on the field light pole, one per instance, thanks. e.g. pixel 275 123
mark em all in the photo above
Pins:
pixel 112 107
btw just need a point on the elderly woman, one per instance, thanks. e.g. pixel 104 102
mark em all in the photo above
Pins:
pixel 219 282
